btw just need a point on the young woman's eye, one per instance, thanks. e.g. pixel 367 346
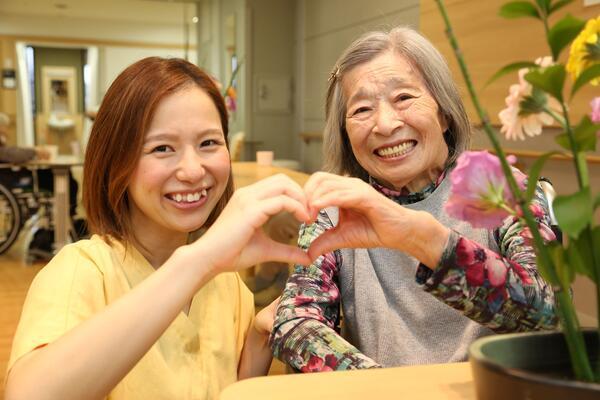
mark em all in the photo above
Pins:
pixel 163 148
pixel 209 142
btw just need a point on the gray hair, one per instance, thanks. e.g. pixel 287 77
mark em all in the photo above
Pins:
pixel 337 152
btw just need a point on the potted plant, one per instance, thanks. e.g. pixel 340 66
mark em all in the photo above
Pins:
pixel 542 365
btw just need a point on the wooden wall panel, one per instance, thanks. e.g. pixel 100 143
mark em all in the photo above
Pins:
pixel 489 42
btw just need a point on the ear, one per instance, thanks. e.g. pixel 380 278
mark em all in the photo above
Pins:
pixel 443 121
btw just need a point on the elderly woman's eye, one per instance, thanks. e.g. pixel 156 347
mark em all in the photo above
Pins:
pixel 404 97
pixel 361 110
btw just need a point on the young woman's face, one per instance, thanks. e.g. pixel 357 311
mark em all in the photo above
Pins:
pixel 184 166
pixel 393 122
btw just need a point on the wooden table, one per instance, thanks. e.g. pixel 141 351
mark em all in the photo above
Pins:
pixel 427 382
pixel 246 173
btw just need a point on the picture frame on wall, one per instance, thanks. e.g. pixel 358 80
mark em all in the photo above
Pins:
pixel 59 90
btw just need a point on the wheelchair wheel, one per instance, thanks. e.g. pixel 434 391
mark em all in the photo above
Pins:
pixel 10 219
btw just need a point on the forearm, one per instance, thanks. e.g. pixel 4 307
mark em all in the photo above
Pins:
pixel 88 361
pixel 493 290
pixel 256 355
pixel 428 238
pixel 310 346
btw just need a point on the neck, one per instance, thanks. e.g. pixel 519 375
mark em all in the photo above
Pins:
pixel 157 248
pixel 424 180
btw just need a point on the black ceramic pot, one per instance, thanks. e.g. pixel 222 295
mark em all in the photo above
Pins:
pixel 529 366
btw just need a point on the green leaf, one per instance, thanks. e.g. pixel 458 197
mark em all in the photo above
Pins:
pixel 587 75
pixel 563 141
pixel 509 68
pixel 554 250
pixel 579 256
pixel 558 4
pixel 550 79
pixel 573 212
pixel 597 203
pixel 585 134
pixel 518 9
pixel 563 32
pixel 544 5
pixel 534 174
pixel 564 272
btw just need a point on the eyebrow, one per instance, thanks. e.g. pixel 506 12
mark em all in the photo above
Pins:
pixel 392 81
pixel 173 136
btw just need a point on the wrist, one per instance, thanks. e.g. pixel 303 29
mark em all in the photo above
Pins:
pixel 429 240
pixel 196 262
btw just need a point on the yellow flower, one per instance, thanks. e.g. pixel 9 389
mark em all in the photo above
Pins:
pixel 585 49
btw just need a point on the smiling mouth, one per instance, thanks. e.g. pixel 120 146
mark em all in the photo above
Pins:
pixel 187 197
pixel 397 150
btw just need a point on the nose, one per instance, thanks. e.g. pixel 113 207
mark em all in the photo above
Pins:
pixel 190 167
pixel 387 119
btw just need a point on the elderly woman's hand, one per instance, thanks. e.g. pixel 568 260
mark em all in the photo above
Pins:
pixel 368 219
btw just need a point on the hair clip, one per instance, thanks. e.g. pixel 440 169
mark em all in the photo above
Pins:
pixel 334 74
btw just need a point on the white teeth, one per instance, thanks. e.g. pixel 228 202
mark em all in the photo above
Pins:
pixel 188 197
pixel 397 150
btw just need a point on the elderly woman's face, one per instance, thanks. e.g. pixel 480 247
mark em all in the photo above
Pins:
pixel 393 123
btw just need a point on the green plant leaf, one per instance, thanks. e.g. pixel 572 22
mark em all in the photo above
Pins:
pixel 587 75
pixel 510 68
pixel 544 269
pixel 534 174
pixel 585 134
pixel 597 203
pixel 544 5
pixel 564 271
pixel 573 212
pixel 558 4
pixel 518 9
pixel 579 256
pixel 550 79
pixel 563 32
pixel 563 141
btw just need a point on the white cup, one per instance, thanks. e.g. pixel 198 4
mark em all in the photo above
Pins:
pixel 264 158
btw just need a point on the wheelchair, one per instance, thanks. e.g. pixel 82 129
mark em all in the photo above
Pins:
pixel 23 203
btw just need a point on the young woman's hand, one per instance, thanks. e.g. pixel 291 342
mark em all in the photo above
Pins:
pixel 236 240
pixel 368 219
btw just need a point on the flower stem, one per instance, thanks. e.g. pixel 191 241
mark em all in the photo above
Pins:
pixel 581 364
pixel 556 117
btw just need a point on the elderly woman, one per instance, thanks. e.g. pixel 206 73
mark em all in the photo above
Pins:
pixel 415 285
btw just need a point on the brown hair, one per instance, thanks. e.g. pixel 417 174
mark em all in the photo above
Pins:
pixel 337 152
pixel 117 136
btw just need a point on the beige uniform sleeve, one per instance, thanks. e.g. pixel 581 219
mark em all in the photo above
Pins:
pixel 67 291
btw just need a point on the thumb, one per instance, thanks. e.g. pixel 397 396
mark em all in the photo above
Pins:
pixel 328 241
pixel 275 251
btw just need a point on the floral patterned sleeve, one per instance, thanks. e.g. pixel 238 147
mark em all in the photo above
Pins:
pixel 304 334
pixel 505 291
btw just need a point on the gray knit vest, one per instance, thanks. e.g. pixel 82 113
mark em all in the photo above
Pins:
pixel 388 316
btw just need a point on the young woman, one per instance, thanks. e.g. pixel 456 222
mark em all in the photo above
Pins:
pixel 140 310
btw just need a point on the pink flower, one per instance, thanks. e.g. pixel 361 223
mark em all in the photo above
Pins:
pixel 595 115
pixel 315 364
pixel 479 193
pixel 496 271
pixel 516 122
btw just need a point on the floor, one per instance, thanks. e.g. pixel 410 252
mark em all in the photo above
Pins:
pixel 15 278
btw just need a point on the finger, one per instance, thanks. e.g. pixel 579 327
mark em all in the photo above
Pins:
pixel 327 242
pixel 274 205
pixel 318 179
pixel 282 253
pixel 279 184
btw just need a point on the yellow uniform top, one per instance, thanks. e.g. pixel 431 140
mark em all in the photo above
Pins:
pixel 195 358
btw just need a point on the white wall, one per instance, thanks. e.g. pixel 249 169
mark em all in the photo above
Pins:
pixel 329 26
pixel 122 31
